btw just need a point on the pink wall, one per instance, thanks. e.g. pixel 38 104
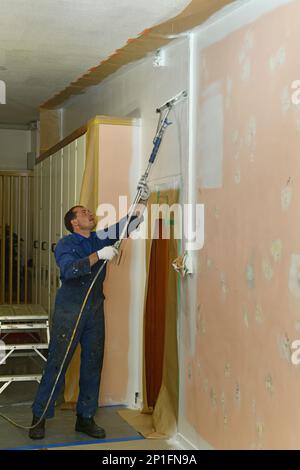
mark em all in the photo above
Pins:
pixel 116 153
pixel 242 391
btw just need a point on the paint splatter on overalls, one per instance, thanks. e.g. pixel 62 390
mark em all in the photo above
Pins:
pixel 71 256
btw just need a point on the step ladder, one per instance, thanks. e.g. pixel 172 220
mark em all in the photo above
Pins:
pixel 30 320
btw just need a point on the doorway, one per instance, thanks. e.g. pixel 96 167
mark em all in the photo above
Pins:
pixel 155 318
pixel 16 237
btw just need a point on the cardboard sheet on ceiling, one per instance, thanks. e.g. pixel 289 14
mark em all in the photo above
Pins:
pixel 196 13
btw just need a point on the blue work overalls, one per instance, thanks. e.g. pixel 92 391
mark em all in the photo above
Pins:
pixel 71 256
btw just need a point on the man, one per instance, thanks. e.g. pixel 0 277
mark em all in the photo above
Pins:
pixel 79 257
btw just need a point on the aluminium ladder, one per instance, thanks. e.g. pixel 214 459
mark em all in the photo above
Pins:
pixel 30 320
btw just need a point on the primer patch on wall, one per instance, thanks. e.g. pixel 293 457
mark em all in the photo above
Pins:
pixel 237 176
pixel 250 137
pixel 237 393
pixel 246 70
pixel 276 250
pixel 286 197
pixel 223 401
pixel 259 314
pixel 281 56
pixel 217 213
pixel 246 317
pixel 267 270
pixel 223 407
pixel 278 59
pixel 297 325
pixel 203 326
pixel 249 40
pixel 227 371
pixel 269 384
pixel 294 276
pixel 205 385
pixel 250 276
pixel 210 263
pixel 260 429
pixel 243 59
pixel 210 138
pixel 284 347
pixel 285 100
pixel 213 398
pixel 224 287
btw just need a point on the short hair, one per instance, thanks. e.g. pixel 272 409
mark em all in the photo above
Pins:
pixel 69 216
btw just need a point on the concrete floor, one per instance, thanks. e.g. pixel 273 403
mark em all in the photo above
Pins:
pixel 15 402
pixel 60 430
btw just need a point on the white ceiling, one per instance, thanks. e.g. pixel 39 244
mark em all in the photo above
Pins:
pixel 46 44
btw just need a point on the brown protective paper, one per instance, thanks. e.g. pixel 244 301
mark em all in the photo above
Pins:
pixel 165 412
pixel 88 198
pixel 195 13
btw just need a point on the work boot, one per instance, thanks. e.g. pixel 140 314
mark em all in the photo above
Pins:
pixel 89 427
pixel 39 431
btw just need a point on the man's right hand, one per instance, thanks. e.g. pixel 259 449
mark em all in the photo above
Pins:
pixel 144 190
pixel 107 253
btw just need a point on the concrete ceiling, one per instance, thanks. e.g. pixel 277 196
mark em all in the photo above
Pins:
pixel 46 44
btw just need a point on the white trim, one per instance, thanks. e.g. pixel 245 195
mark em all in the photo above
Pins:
pixel 183 443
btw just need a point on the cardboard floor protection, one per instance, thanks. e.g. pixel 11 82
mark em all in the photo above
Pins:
pixel 141 422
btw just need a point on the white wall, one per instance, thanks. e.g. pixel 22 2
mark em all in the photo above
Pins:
pixel 137 92
pixel 14 145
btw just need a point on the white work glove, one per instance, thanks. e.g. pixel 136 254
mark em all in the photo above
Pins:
pixel 144 188
pixel 108 253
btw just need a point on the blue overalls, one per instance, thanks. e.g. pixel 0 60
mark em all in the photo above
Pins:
pixel 71 256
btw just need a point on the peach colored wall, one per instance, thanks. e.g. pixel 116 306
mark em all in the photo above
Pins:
pixel 242 391
pixel 116 153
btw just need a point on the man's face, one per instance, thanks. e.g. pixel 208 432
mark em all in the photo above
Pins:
pixel 84 220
